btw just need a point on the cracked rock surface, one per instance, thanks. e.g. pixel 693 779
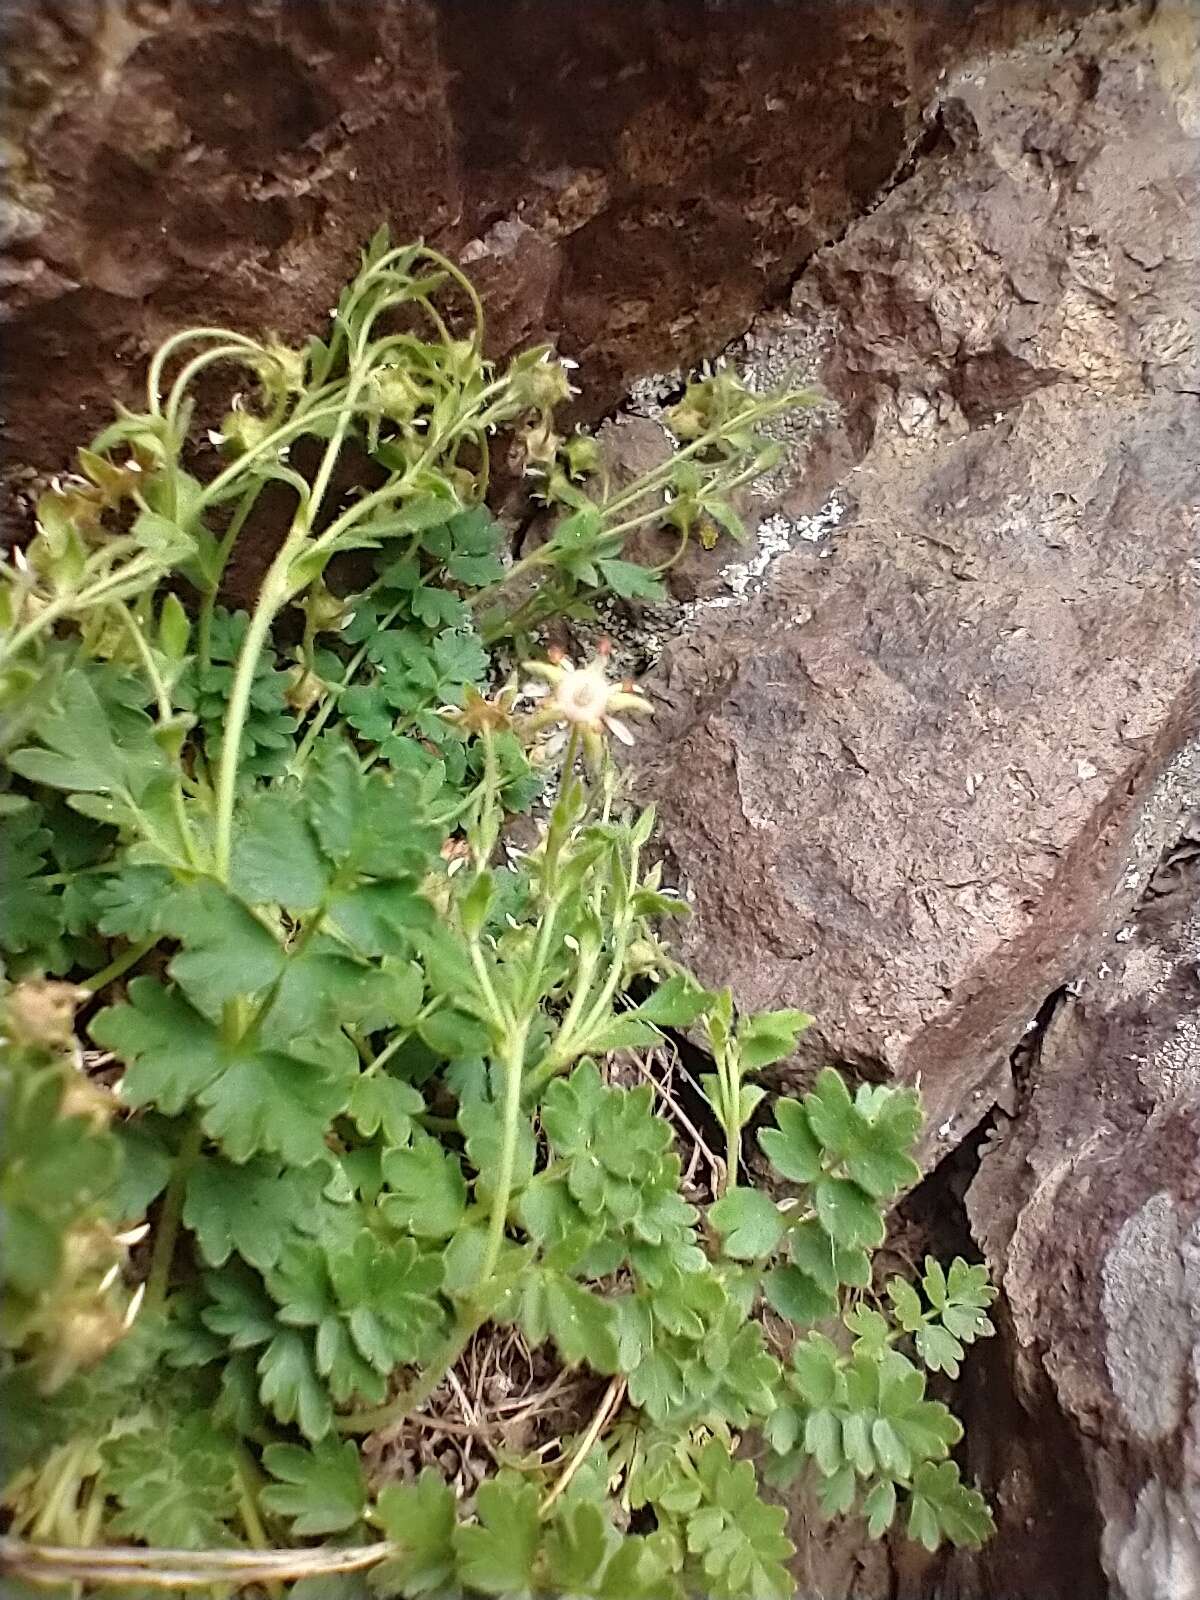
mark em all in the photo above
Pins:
pixel 1087 1203
pixel 902 783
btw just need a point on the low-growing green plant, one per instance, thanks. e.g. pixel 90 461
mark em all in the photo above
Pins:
pixel 307 1070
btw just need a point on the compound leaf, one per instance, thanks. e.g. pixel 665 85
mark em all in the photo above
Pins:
pixel 322 1490
pixel 497 1554
pixel 420 1518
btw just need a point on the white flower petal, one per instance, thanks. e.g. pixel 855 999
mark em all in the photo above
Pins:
pixel 618 729
pixel 135 1305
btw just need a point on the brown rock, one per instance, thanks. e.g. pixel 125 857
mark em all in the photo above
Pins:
pixel 901 783
pixel 1048 236
pixel 636 180
pixel 899 786
pixel 1088 1206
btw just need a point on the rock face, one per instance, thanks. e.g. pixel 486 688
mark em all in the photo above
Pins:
pixel 1088 1203
pixel 632 180
pixel 902 783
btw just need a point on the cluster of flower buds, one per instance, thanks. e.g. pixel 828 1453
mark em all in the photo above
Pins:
pixel 710 404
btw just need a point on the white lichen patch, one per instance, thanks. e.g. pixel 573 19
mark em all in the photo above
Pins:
pixel 776 535
pixel 780 350
pixel 1147 1315
pixel 639 638
pixel 1173 1071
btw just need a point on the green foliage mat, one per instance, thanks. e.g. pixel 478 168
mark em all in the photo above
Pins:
pixel 309 1086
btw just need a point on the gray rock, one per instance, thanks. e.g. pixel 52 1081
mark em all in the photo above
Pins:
pixel 1087 1204
pixel 901 786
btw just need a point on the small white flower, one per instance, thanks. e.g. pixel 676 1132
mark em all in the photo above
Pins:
pixel 585 699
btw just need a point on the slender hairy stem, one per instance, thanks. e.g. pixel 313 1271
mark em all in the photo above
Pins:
pixel 514 1064
pixel 386 1054
pixel 166 711
pixel 486 986
pixel 118 968
pixel 543 556
pixel 322 715
pixel 271 598
pixel 248 1481
pixel 168 1222
pixel 63 1488
pixel 732 1155
pixel 195 366
pixel 727 1114
pixel 176 341
pixel 224 550
pixel 561 1052
pixel 415 1395
pixel 301 421
pixel 659 476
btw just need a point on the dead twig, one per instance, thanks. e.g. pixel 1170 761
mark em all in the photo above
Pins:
pixel 716 1166
pixel 607 1408
pixel 107 1565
